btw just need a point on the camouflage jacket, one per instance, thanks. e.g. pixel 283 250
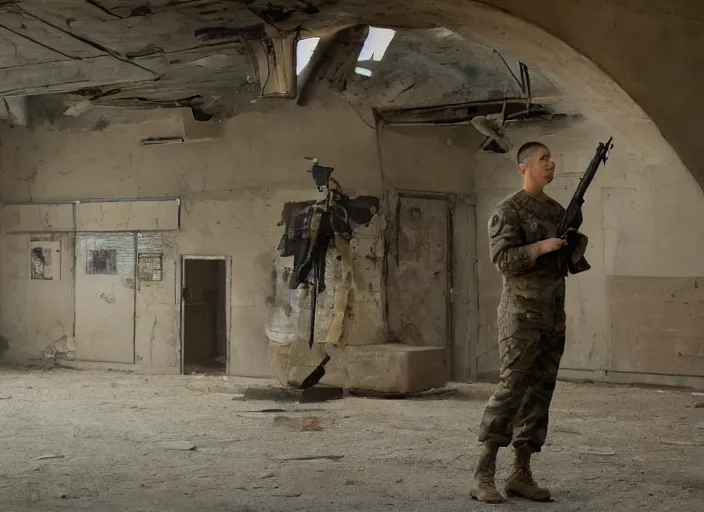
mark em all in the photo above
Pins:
pixel 532 293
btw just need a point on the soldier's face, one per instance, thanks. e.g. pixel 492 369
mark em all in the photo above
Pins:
pixel 541 168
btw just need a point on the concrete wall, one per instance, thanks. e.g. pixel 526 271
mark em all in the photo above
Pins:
pixel 232 192
pixel 432 170
pixel 403 291
pixel 646 267
pixel 638 310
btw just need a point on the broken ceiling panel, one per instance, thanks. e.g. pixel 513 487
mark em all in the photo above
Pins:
pixel 46 36
pixel 333 62
pixel 431 67
pixel 227 53
pixel 211 12
pixel 164 32
pixel 274 57
pixel 129 8
pixel 453 114
pixel 16 50
pixel 219 14
pixel 60 12
pixel 292 13
pixel 68 75
pixel 173 88
pixel 50 108
pixel 191 63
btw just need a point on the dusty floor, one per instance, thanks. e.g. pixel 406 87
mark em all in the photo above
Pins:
pixel 610 448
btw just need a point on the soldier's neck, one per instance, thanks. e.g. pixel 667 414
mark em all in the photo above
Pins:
pixel 534 190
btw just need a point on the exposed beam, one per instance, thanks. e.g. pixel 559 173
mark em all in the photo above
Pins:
pixel 283 13
pixel 46 36
pixel 99 6
pixel 458 113
pixel 273 55
pixel 69 75
pixel 333 60
pixel 86 41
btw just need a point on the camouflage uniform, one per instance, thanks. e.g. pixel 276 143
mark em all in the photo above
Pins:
pixel 531 322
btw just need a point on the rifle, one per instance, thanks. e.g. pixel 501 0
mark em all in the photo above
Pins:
pixel 572 218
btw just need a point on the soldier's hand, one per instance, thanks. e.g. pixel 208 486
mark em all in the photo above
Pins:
pixel 572 234
pixel 578 242
pixel 551 244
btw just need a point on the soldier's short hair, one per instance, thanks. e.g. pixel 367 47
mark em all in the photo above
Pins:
pixel 527 150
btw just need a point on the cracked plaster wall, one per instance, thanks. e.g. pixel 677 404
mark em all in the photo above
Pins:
pixel 232 193
pixel 638 311
pixel 644 262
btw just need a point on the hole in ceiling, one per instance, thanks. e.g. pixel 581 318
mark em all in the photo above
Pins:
pixel 377 42
pixel 304 52
pixel 363 71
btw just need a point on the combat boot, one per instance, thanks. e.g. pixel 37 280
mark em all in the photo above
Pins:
pixel 520 479
pixel 483 487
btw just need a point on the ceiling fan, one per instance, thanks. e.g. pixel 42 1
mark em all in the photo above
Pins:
pixel 491 125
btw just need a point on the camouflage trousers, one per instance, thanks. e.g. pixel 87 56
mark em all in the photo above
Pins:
pixel 518 411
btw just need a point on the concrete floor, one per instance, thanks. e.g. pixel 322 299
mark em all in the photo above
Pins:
pixel 611 448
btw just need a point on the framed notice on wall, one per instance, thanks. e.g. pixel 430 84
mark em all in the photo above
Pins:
pixel 44 259
pixel 149 267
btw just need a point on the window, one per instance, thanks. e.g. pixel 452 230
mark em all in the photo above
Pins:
pixel 102 261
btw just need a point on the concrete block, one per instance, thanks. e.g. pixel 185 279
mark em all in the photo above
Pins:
pixel 388 368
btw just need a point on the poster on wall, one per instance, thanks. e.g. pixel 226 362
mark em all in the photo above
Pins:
pixel 149 267
pixel 44 258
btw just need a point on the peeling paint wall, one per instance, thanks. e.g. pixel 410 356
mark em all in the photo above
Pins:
pixel 432 169
pixel 38 312
pixel 232 192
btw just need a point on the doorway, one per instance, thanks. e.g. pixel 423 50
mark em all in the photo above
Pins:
pixel 204 315
pixel 105 297
pixel 419 273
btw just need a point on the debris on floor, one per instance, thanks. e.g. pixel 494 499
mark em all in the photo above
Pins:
pixel 49 457
pixel 301 396
pixel 306 424
pixel 286 494
pixel 588 450
pixel 680 442
pixel 368 393
pixel 180 446
pixel 306 458
pixel 370 455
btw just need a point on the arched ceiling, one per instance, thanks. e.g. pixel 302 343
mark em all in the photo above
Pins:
pixel 137 54
pixel 222 55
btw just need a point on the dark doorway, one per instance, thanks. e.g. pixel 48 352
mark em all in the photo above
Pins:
pixel 204 316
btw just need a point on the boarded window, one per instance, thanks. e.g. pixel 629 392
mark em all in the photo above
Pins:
pixel 102 261
pixel 150 267
pixel 41 263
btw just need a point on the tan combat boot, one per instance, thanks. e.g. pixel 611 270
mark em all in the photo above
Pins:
pixel 483 487
pixel 520 479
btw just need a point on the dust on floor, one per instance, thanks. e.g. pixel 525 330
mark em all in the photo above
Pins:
pixel 79 440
